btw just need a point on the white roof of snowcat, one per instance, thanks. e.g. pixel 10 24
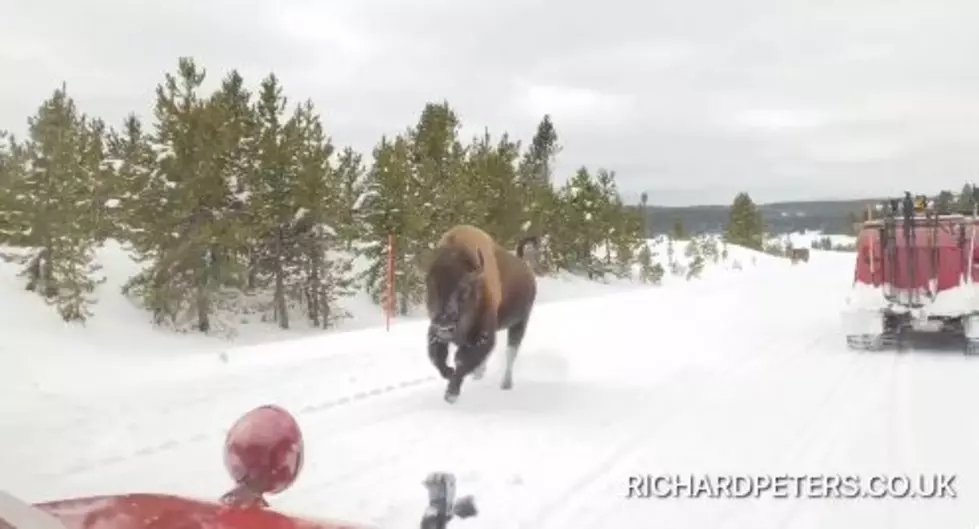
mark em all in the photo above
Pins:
pixel 925 221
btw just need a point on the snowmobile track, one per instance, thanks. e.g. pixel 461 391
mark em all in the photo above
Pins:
pixel 773 356
pixel 816 438
pixel 217 435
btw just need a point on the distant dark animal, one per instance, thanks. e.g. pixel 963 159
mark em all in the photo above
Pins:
pixel 534 243
pixel 529 250
pixel 475 288
pixel 799 254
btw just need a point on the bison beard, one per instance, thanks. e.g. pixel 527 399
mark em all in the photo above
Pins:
pixel 474 289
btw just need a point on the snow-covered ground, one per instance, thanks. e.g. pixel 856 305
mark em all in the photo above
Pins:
pixel 742 372
pixel 48 351
pixel 805 239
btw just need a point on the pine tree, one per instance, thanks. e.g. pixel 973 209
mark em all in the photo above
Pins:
pixel 470 193
pixel 695 267
pixel 538 163
pixel 272 203
pixel 493 196
pixel 627 238
pixel 649 272
pixel 394 206
pixel 541 212
pixel 610 210
pixel 192 256
pixel 350 174
pixel 56 200
pixel 676 267
pixel 679 232
pixel 6 160
pixel 323 197
pixel 710 249
pixel 576 239
pixel 235 155
pixel 943 204
pixel 142 217
pixel 139 201
pixel 695 259
pixel 643 202
pixel 96 149
pixel 12 169
pixel 625 232
pixel 965 201
pixel 746 226
pixel 545 219
pixel 438 160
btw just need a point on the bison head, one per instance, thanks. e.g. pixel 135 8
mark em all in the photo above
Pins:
pixel 455 285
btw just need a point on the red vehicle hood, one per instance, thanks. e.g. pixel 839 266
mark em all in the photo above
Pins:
pixel 263 455
pixel 161 511
pixel 153 511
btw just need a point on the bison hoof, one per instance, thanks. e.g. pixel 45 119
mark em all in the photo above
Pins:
pixel 479 372
pixel 451 398
pixel 506 384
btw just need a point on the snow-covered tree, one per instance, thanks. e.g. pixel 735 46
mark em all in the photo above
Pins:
pixel 56 202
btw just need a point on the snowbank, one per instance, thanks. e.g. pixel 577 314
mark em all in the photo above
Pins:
pixel 41 353
pixel 807 238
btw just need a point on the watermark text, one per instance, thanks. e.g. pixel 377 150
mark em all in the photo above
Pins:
pixel 829 486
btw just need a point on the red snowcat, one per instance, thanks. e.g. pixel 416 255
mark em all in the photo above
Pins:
pixel 917 269
pixel 263 453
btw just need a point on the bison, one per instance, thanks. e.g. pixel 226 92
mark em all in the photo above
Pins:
pixel 475 288
pixel 799 254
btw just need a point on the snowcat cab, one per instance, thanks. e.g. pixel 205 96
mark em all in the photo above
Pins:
pixel 916 269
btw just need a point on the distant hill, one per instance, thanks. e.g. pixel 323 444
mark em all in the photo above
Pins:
pixel 830 217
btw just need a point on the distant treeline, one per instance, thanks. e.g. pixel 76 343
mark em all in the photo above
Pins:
pixel 834 217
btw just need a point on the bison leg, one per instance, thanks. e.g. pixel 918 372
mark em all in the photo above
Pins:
pixel 468 359
pixel 438 353
pixel 514 338
pixel 480 370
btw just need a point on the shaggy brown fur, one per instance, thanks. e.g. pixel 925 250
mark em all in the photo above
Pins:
pixel 475 289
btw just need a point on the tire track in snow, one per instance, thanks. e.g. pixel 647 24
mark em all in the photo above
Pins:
pixel 155 414
pixel 831 422
pixel 158 414
pixel 422 449
pixel 340 404
pixel 342 418
pixel 813 438
pixel 825 421
pixel 394 459
pixel 659 419
pixel 217 433
pixel 621 423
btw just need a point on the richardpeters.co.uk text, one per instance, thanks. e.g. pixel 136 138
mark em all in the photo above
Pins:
pixel 831 486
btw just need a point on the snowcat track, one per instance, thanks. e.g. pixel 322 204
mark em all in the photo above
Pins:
pixel 873 342
pixel 894 341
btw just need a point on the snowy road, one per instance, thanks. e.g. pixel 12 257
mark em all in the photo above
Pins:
pixel 742 374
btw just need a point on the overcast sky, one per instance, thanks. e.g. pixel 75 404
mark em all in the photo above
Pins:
pixel 688 100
